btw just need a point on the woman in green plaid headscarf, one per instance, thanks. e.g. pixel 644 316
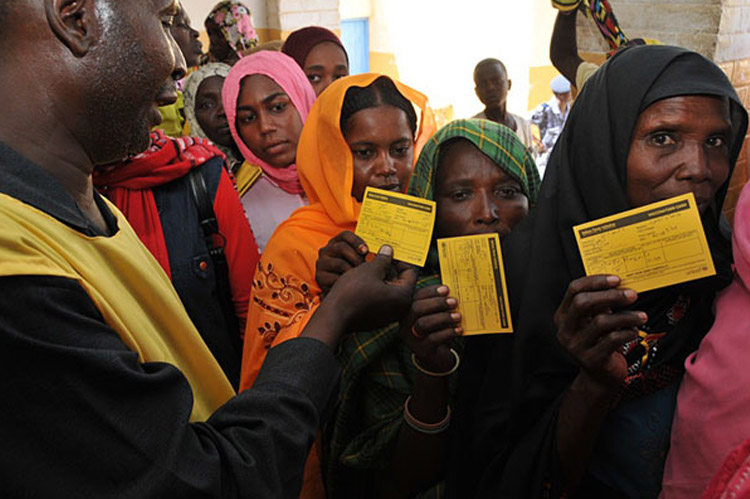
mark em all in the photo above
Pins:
pixel 483 179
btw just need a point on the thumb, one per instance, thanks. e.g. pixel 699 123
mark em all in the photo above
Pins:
pixel 383 260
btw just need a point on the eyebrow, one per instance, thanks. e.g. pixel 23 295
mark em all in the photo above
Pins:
pixel 274 96
pixel 319 67
pixel 268 99
pixel 368 143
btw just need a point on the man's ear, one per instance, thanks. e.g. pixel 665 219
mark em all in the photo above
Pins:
pixel 71 21
pixel 510 83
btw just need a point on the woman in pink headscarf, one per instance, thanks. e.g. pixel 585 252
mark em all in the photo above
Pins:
pixel 267 98
pixel 713 404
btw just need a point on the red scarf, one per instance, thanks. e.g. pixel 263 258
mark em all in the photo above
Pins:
pixel 128 185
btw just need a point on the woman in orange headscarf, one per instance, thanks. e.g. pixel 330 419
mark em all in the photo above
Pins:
pixel 362 131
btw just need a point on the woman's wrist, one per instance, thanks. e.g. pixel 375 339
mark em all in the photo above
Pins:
pixel 441 364
pixel 597 392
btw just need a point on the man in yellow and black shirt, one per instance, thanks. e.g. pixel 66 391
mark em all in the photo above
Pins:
pixel 107 388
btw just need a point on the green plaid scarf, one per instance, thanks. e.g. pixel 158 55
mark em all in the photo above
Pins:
pixel 377 372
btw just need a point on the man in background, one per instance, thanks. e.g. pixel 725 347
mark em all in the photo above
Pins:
pixel 491 84
pixel 550 117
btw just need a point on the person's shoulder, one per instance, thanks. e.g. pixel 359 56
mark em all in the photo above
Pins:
pixel 584 72
pixel 520 121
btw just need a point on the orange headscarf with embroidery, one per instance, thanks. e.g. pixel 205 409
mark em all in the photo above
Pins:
pixel 284 291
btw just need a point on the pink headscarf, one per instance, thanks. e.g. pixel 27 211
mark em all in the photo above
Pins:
pixel 283 70
pixel 713 407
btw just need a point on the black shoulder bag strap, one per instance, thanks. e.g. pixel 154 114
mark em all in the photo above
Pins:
pixel 215 242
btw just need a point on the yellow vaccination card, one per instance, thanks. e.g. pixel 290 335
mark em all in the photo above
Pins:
pixel 472 267
pixel 403 222
pixel 650 247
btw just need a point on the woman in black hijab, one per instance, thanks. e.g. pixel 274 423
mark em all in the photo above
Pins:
pixel 583 405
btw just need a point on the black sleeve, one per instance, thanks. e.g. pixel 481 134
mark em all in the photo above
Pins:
pixel 82 417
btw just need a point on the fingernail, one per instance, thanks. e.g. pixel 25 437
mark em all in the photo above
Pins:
pixel 363 249
pixel 386 250
pixel 613 280
pixel 442 290
pixel 456 316
pixel 459 330
pixel 630 294
pixel 452 302
pixel 643 317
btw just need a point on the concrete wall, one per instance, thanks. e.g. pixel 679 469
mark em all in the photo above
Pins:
pixel 688 23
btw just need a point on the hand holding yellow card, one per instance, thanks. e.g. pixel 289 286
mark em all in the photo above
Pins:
pixel 650 247
pixel 472 267
pixel 403 222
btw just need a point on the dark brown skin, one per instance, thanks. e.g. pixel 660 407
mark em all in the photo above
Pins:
pixel 51 72
pixel 218 47
pixel 492 86
pixel 489 202
pixel 563 49
pixel 342 253
pixel 187 38
pixel 59 79
pixel 267 121
pixel 679 145
pixel 382 146
pixel 474 195
pixel 209 111
pixel 363 297
pixel 325 63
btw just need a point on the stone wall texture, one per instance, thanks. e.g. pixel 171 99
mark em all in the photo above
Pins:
pixel 289 15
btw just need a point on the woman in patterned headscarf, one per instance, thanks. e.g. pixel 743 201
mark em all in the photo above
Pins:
pixel 389 432
pixel 230 31
pixel 204 109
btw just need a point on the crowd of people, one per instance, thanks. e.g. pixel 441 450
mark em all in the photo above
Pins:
pixel 189 312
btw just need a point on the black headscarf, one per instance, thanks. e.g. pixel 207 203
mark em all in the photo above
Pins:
pixel 585 180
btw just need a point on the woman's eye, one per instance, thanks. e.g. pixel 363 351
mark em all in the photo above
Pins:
pixel 278 107
pixel 716 142
pixel 246 118
pixel 662 139
pixel 168 22
pixel 314 78
pixel 459 195
pixel 206 105
pixel 508 192
pixel 400 151
pixel 362 153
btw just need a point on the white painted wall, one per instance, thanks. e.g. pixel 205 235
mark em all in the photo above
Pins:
pixel 437 43
pixel 354 9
